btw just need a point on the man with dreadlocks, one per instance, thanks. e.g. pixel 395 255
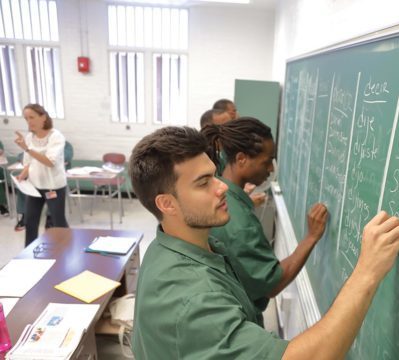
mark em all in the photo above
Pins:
pixel 249 149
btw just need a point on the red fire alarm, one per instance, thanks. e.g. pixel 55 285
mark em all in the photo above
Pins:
pixel 83 64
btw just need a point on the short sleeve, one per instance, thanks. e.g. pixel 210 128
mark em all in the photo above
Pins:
pixel 255 262
pixel 55 147
pixel 213 325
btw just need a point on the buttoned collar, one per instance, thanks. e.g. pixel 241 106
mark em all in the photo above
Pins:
pixel 210 259
pixel 238 192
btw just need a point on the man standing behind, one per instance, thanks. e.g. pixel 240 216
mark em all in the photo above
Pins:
pixel 227 105
pixel 189 303
pixel 214 116
pixel 249 149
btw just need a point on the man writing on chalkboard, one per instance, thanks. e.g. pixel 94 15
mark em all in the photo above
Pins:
pixel 249 150
pixel 189 302
pixel 217 116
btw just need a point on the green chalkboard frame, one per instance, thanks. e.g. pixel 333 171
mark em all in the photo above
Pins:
pixel 339 144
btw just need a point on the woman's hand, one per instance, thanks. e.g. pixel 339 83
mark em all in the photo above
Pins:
pixel 23 175
pixel 20 141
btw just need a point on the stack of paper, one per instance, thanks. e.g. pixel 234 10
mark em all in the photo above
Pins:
pixel 25 187
pixel 20 275
pixel 55 334
pixel 114 168
pixel 87 286
pixel 112 245
pixel 85 170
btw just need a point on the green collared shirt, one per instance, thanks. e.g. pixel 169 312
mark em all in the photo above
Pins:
pixel 222 162
pixel 248 250
pixel 189 305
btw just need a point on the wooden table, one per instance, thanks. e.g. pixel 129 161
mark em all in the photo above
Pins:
pixel 67 247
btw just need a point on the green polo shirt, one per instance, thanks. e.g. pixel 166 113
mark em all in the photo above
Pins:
pixel 222 162
pixel 189 305
pixel 248 250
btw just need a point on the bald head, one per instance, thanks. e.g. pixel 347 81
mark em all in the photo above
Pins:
pixel 227 105
pixel 214 116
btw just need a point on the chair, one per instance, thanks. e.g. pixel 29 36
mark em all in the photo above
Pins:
pixel 113 162
pixel 68 156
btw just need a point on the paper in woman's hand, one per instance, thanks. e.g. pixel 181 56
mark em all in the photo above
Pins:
pixel 26 187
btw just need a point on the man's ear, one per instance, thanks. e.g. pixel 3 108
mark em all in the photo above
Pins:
pixel 241 159
pixel 166 204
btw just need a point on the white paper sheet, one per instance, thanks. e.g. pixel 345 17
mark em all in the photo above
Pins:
pixel 56 333
pixel 112 245
pixel 20 275
pixel 85 170
pixel 8 304
pixel 26 187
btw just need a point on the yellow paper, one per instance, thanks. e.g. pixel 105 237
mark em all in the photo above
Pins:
pixel 87 286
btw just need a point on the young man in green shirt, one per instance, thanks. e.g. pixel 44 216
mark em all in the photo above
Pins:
pixel 249 150
pixel 189 303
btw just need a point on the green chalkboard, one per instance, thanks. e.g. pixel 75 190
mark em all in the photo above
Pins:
pixel 259 99
pixel 339 144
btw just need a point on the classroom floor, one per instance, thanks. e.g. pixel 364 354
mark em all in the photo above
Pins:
pixel 136 217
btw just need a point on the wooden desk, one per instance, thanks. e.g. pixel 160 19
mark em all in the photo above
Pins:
pixel 67 247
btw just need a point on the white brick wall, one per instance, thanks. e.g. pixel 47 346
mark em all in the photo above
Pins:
pixel 225 44
pixel 307 25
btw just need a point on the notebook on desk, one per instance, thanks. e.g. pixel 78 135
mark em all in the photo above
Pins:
pixel 113 245
pixel 87 286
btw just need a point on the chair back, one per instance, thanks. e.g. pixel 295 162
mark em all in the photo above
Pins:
pixel 68 155
pixel 114 158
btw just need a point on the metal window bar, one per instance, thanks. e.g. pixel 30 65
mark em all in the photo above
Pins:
pixel 127 87
pixel 9 96
pixel 170 88
pixel 44 79
pixel 29 19
pixel 149 27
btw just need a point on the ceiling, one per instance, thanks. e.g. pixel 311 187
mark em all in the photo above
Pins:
pixel 264 4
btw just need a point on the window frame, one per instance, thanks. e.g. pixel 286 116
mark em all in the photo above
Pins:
pixel 21 59
pixel 150 114
pixel 17 112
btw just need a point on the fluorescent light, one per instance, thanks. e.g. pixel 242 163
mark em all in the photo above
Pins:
pixel 228 1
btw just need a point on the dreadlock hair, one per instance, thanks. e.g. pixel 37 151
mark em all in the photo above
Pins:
pixel 151 164
pixel 246 135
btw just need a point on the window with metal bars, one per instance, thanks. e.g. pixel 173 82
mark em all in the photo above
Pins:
pixel 34 24
pixel 9 95
pixel 145 43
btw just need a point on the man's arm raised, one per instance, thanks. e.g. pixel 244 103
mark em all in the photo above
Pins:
pixel 332 336
pixel 292 265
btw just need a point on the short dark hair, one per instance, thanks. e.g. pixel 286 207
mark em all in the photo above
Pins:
pixel 222 104
pixel 38 109
pixel 207 116
pixel 151 164
pixel 246 135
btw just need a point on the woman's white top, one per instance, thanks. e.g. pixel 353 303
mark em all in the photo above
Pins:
pixel 52 146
